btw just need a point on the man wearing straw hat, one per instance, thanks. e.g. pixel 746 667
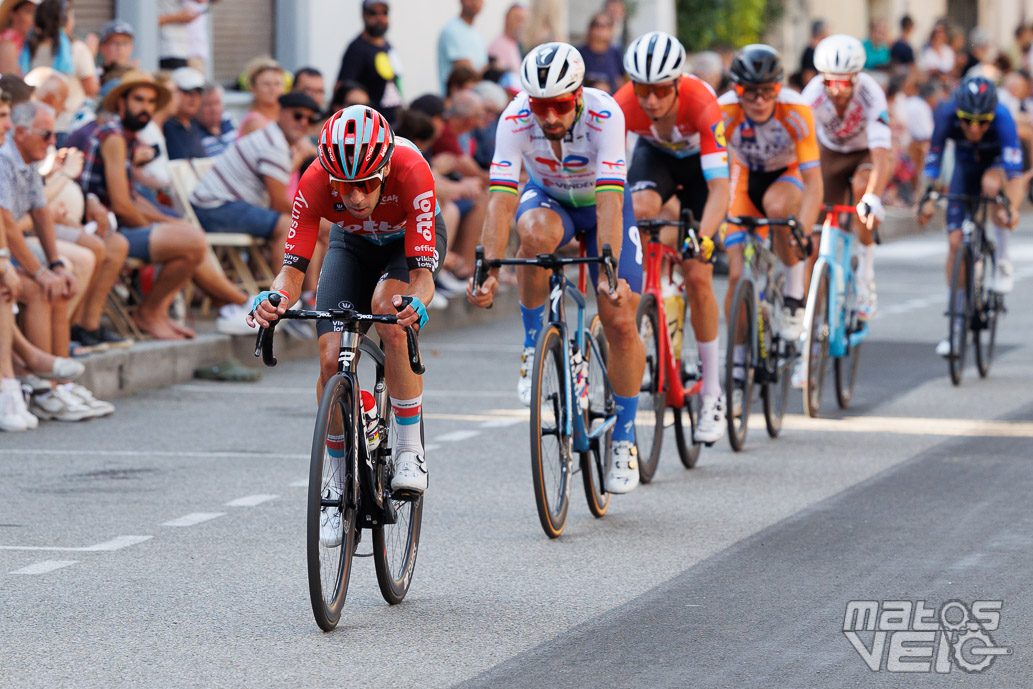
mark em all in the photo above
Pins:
pixel 153 236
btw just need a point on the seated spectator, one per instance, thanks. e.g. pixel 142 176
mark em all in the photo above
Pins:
pixel 601 57
pixel 49 44
pixel 464 114
pixel 246 189
pixel 980 50
pixel 15 88
pixel 151 177
pixel 348 93
pixel 937 55
pixel 460 79
pixel 22 15
pixel 309 80
pixel 495 99
pixel 182 132
pixel 219 131
pixel 876 46
pixel 265 78
pixel 116 46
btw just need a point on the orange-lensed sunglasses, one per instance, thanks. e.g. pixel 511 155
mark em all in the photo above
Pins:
pixel 560 105
pixel 344 187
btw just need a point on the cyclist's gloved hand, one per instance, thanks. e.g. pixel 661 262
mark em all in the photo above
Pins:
pixel 871 204
pixel 706 248
pixel 264 295
pixel 263 313
pixel 417 306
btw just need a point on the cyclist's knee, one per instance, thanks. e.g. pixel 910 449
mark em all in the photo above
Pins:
pixel 647 204
pixel 391 335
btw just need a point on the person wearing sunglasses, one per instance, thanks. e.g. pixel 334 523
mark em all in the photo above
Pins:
pixel 852 121
pixel 987 160
pixel 681 153
pixel 570 139
pixel 775 169
pixel 385 242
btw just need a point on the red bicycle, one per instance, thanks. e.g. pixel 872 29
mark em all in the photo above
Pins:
pixel 667 384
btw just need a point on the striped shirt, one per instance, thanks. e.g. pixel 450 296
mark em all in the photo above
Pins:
pixel 237 174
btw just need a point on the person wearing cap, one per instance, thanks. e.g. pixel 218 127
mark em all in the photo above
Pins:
pixel 22 14
pixel 153 236
pixel 117 45
pixel 370 61
pixel 246 188
pixel 183 134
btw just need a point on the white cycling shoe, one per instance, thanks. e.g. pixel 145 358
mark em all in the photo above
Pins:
pixel 622 476
pixel 410 472
pixel 792 319
pixel 711 425
pixel 524 382
pixel 331 525
pixel 1004 278
pixel 944 348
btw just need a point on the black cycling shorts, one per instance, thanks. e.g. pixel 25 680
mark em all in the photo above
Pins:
pixel 353 267
pixel 667 176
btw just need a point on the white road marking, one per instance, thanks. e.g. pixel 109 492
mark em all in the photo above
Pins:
pixel 907 426
pixel 303 483
pixel 252 500
pixel 456 436
pixel 107 546
pixel 267 391
pixel 44 567
pixel 500 423
pixel 194 518
pixel 148 453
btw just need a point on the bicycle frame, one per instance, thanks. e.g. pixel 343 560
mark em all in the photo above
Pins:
pixel 835 250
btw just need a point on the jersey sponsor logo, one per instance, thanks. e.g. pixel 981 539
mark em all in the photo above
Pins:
pixel 425 220
pixel 300 202
pixel 393 198
pixel 338 207
pixel 616 165
pixel 718 128
pixel 522 117
pixel 522 129
pixel 424 248
pixel 599 117
pixel 572 163
pixel 1012 156
pixel 501 164
pixel 529 194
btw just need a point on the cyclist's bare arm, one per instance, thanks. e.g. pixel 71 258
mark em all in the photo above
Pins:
pixel 289 280
pixel 1014 190
pixel 813 193
pixel 609 209
pixel 502 206
pixel 882 171
pixel 716 207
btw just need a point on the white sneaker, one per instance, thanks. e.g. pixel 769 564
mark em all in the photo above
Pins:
pixel 867 302
pixel 524 382
pixel 410 472
pixel 438 303
pixel 792 319
pixel 447 282
pixel 11 419
pixel 944 348
pixel 797 379
pixel 711 425
pixel 1004 279
pixel 60 405
pixel 100 407
pixel 331 523
pixel 231 320
pixel 622 476
pixel 64 369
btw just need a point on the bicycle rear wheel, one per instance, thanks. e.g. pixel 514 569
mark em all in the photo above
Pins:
pixel 959 311
pixel 395 544
pixel 775 393
pixel 550 446
pixel 332 495
pixel 649 422
pixel 987 307
pixel 816 344
pixel 742 333
pixel 846 366
pixel 600 405
pixel 686 416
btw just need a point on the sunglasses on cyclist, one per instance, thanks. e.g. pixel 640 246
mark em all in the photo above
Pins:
pixel 368 185
pixel 560 105
pixel 833 84
pixel 752 94
pixel 299 116
pixel 969 118
pixel 659 90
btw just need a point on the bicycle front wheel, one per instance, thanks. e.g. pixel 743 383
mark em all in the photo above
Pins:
pixel 987 306
pixel 332 502
pixel 816 344
pixel 649 422
pixel 775 393
pixel 846 366
pixel 740 362
pixel 550 444
pixel 686 416
pixel 395 544
pixel 959 312
pixel 600 405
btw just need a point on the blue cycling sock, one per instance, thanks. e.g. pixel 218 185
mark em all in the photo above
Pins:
pixel 335 445
pixel 532 323
pixel 627 407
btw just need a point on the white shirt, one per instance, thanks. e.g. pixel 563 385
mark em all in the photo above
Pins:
pixel 239 171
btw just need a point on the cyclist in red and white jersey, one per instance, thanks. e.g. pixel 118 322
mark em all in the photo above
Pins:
pixel 852 121
pixel 571 142
pixel 681 151
pixel 386 240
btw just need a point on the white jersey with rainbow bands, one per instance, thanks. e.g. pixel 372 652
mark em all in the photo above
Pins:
pixel 592 158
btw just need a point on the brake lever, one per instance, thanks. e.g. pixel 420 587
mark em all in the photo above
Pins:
pixel 264 341
pixel 411 341
pixel 480 273
pixel 608 264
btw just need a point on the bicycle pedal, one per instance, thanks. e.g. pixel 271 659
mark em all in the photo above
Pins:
pixel 406 495
pixel 708 444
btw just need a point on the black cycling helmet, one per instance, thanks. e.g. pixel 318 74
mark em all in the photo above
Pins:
pixel 757 64
pixel 976 96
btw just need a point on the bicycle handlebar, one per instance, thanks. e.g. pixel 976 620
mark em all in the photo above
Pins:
pixel 264 342
pixel 973 200
pixel 550 261
pixel 750 222
pixel 688 238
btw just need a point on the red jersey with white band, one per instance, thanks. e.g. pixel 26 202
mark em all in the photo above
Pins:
pixel 698 129
pixel 864 125
pixel 406 210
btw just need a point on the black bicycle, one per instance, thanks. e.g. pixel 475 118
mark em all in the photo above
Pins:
pixel 972 306
pixel 349 482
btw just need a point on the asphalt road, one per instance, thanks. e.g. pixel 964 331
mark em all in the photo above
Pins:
pixel 164 545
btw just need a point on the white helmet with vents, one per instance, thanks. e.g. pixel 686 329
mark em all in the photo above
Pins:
pixel 551 70
pixel 654 57
pixel 839 54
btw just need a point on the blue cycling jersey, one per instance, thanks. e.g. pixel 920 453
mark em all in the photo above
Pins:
pixel 999 146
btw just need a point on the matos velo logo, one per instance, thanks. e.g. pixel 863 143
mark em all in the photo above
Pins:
pixel 911 636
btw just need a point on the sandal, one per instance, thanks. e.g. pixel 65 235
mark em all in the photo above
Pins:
pixel 230 370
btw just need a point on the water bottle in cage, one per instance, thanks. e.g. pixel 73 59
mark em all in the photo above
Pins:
pixel 370 422
pixel 674 309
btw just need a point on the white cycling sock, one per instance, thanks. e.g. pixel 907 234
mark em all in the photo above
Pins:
pixel 794 281
pixel 708 357
pixel 407 424
pixel 1003 240
pixel 739 361
pixel 866 263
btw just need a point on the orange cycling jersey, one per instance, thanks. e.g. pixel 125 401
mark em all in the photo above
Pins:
pixel 698 128
pixel 405 212
pixel 786 138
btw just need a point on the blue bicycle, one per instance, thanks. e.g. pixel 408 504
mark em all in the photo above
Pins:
pixel 832 327
pixel 567 418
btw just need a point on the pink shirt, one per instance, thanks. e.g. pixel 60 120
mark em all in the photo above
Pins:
pixel 506 53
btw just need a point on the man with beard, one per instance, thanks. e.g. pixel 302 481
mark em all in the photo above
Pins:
pixel 370 61
pixel 153 236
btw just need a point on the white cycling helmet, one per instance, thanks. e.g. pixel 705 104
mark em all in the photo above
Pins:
pixel 551 70
pixel 839 54
pixel 654 57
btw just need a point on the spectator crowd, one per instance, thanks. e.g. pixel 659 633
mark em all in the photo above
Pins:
pixel 115 183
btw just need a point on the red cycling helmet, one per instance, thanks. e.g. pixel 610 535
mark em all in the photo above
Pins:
pixel 355 143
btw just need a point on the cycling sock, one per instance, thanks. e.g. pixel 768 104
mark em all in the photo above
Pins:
pixel 866 263
pixel 627 407
pixel 532 323
pixel 794 281
pixel 708 355
pixel 407 422
pixel 739 361
pixel 335 448
pixel 1003 239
